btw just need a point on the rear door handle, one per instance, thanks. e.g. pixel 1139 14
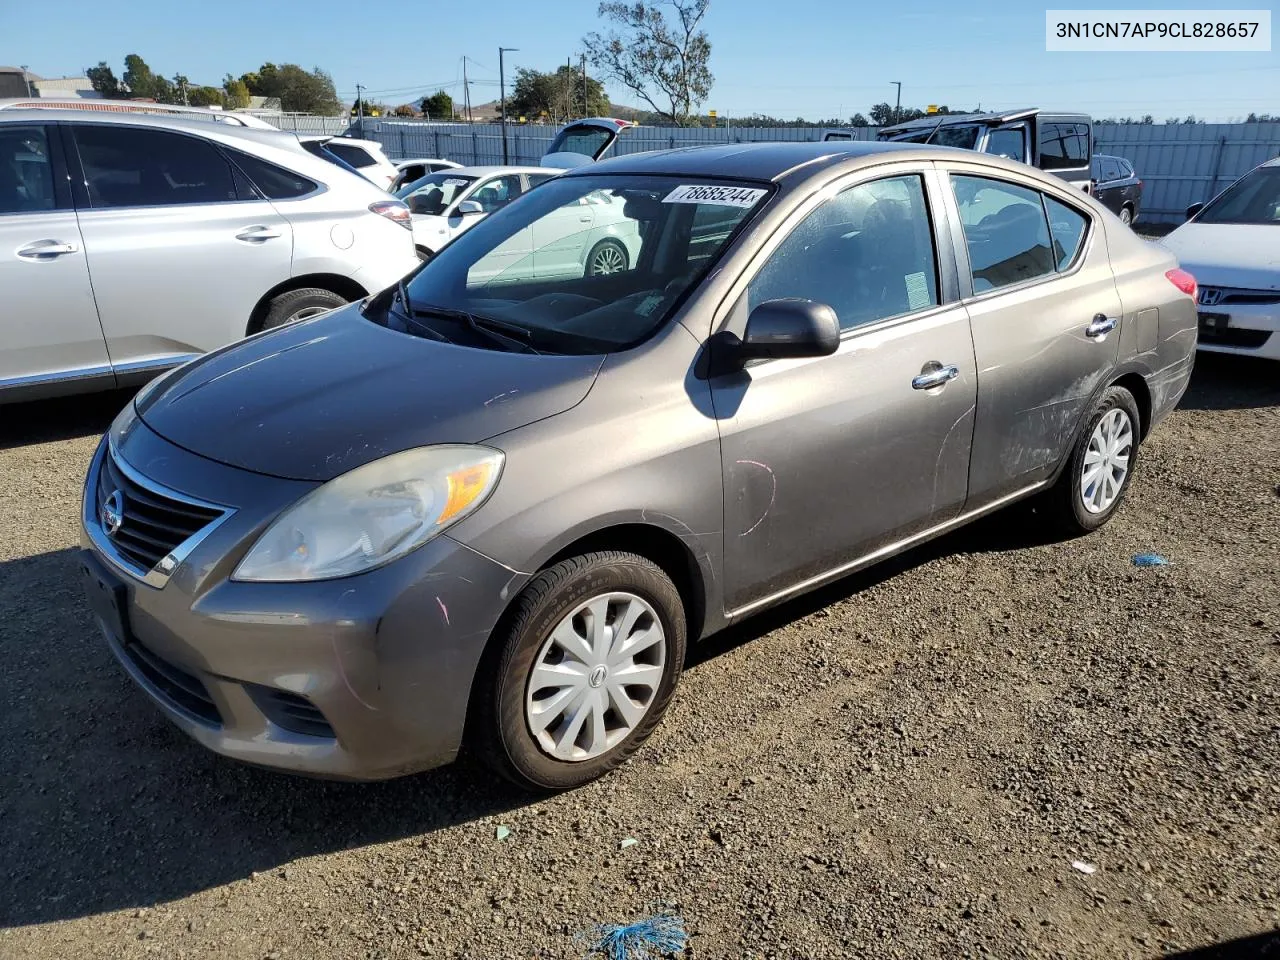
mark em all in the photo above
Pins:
pixel 257 234
pixel 46 250
pixel 936 377
pixel 1100 327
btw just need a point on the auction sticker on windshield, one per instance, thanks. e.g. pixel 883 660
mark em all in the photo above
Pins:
pixel 455 182
pixel 721 196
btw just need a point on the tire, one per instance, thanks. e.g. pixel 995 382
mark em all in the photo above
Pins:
pixel 295 305
pixel 509 701
pixel 1126 215
pixel 606 257
pixel 1072 515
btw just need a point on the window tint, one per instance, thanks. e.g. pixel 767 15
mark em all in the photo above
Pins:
pixel 274 183
pixel 1005 231
pixel 1007 143
pixel 1064 145
pixel 26 171
pixel 358 157
pixel 1066 226
pixel 1126 168
pixel 587 141
pixel 139 167
pixel 537 178
pixel 1114 171
pixel 867 253
pixel 497 193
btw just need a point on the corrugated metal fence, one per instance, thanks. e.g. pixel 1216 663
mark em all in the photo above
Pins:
pixel 1178 163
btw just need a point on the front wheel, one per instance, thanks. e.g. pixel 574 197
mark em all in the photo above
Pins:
pixel 295 305
pixel 584 671
pixel 1126 215
pixel 1093 485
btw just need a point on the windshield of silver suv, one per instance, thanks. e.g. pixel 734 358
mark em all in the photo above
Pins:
pixel 588 264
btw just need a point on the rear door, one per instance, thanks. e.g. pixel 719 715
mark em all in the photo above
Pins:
pixel 583 141
pixel 49 324
pixel 180 245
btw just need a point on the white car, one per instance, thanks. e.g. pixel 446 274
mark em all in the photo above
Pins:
pixel 416 168
pixel 592 238
pixel 133 243
pixel 233 118
pixel 365 157
pixel 1230 246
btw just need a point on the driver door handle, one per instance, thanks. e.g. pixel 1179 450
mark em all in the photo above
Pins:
pixel 935 377
pixel 1100 327
pixel 257 234
pixel 46 250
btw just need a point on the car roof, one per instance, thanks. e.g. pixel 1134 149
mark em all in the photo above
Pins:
pixel 773 161
pixel 163 121
pixel 233 118
pixel 487 171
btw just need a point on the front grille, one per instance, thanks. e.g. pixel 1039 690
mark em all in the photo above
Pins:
pixel 1224 296
pixel 153 523
pixel 1233 337
pixel 182 690
pixel 292 712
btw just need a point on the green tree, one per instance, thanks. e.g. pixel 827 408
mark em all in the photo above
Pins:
pixel 405 110
pixel 858 120
pixel 104 80
pixel 438 106
pixel 664 63
pixel 556 94
pixel 236 91
pixel 143 83
pixel 298 90
pixel 206 97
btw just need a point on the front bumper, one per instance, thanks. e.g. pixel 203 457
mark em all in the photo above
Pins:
pixel 365 677
pixel 1246 329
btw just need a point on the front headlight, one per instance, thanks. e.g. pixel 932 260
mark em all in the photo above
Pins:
pixel 373 514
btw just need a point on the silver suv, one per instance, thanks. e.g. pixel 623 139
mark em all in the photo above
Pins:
pixel 132 243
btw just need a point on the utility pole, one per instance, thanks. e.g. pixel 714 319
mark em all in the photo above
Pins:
pixel 466 89
pixel 360 108
pixel 181 81
pixel 502 92
pixel 568 89
pixel 27 81
pixel 586 107
pixel 897 109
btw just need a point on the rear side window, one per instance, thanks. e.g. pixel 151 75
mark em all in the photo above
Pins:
pixel 1064 146
pixel 358 157
pixel 1005 231
pixel 26 170
pixel 867 253
pixel 1066 227
pixel 274 183
pixel 140 167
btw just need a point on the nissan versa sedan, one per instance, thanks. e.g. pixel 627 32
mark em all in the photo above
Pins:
pixel 473 514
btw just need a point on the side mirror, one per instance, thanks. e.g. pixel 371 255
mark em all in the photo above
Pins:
pixel 783 329
pixel 469 208
pixel 1194 209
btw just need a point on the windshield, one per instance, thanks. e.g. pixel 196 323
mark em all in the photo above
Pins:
pixel 1254 198
pixel 584 265
pixel 433 193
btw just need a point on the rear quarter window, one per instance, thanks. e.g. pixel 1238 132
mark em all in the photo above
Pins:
pixel 273 182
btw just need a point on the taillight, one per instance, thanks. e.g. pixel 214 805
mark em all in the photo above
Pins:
pixel 1183 281
pixel 394 210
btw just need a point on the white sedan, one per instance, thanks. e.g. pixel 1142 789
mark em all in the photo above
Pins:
pixel 1230 246
pixel 591 238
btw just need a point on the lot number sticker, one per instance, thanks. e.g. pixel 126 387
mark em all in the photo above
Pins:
pixel 721 196
pixel 454 182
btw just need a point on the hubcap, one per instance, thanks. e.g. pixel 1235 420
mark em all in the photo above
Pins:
pixel 1125 215
pixel 608 259
pixel 1106 462
pixel 306 313
pixel 595 677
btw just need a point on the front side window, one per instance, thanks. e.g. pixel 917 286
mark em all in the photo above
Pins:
pixel 433 194
pixel 1007 143
pixel 525 278
pixel 26 170
pixel 867 253
pixel 1254 198
pixel 497 193
pixel 142 167
pixel 1005 231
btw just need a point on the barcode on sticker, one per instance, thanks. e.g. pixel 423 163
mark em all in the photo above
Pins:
pixel 721 196
pixel 917 291
pixel 455 182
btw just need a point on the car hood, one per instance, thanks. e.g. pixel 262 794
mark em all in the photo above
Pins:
pixel 318 398
pixel 1245 255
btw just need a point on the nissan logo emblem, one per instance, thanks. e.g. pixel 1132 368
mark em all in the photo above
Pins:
pixel 113 513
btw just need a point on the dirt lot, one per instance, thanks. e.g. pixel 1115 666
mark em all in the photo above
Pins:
pixel 904 765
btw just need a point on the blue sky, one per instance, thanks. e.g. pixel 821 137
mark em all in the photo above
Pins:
pixel 816 58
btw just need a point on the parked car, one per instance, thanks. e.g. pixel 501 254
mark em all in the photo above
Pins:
pixel 1230 244
pixel 137 242
pixel 1060 143
pixel 1117 187
pixel 363 156
pixel 506 510
pixel 591 238
pixel 416 168
pixel 234 118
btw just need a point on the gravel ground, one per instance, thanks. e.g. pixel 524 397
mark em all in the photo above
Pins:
pixel 903 765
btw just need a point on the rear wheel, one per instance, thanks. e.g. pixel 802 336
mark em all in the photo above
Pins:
pixel 295 305
pixel 1126 215
pixel 606 257
pixel 1093 485
pixel 584 671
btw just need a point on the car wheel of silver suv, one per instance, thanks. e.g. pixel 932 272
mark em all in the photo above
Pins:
pixel 583 672
pixel 295 305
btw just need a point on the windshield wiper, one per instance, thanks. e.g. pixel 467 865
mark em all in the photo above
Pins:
pixel 407 313
pixel 500 331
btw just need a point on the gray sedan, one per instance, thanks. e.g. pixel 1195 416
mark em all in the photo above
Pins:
pixel 494 512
